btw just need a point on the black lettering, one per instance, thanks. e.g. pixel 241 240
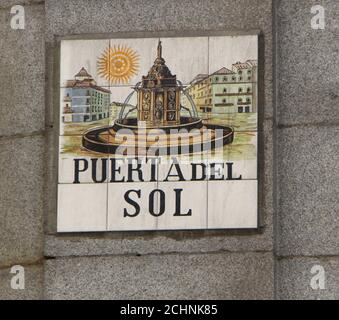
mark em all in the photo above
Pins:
pixel 77 169
pixel 161 202
pixel 178 172
pixel 177 212
pixel 230 172
pixel 132 203
pixel 153 170
pixel 137 169
pixel 114 169
pixel 103 169
pixel 219 172
pixel 194 171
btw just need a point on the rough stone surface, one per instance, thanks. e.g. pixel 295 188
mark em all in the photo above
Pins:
pixel 10 3
pixel 33 284
pixel 21 199
pixel 212 276
pixel 307 150
pixel 307 63
pixel 51 178
pixel 59 246
pixel 22 67
pixel 295 275
pixel 265 158
pixel 308 191
pixel 122 16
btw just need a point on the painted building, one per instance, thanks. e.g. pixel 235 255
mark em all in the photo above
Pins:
pixel 84 101
pixel 226 91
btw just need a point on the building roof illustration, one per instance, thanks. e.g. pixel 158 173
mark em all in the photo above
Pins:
pixel 84 80
pixel 252 63
pixel 83 73
pixel 202 76
pixel 223 71
pixel 248 64
pixel 199 77
pixel 245 65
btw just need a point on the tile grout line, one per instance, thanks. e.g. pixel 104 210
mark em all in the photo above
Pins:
pixel 24 135
pixel 275 217
pixel 157 186
pixel 207 182
pixel 107 185
pixel 161 253
pixel 109 156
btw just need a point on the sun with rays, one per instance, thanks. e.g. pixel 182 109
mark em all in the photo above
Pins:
pixel 118 64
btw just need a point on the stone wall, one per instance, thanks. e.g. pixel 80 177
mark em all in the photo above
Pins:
pixel 307 221
pixel 298 145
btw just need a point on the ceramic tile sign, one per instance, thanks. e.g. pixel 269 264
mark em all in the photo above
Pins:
pixel 158 134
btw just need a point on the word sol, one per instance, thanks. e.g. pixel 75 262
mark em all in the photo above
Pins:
pixel 155 196
pixel 18 281
pixel 18 19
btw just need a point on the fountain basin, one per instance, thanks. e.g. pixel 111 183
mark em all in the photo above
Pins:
pixel 129 139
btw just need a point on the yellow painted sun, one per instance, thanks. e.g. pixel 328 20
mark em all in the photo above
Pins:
pixel 118 64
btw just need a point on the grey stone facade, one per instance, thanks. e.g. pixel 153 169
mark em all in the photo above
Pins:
pixel 298 170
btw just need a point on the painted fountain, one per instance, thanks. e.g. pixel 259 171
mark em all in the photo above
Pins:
pixel 159 124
